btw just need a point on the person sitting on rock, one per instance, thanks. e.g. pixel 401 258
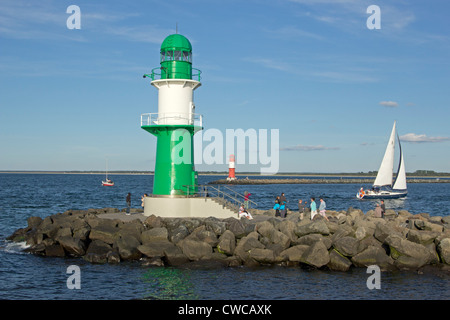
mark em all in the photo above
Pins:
pixel 244 213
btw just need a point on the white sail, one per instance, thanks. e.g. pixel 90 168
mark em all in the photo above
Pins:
pixel 384 176
pixel 400 181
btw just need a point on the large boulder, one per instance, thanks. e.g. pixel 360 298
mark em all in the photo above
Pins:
pixel 104 231
pixel 384 230
pixel 73 246
pixel 215 225
pixel 127 247
pixel 316 226
pixel 97 252
pixel 132 228
pixel 422 237
pixel 155 234
pixel 245 245
pixel 288 228
pixel 373 255
pixel 443 249
pixel 263 256
pixel 174 256
pixel 195 250
pixel 338 262
pixel 34 222
pixel 155 248
pixel 294 254
pixel 227 243
pixel 54 250
pixel 237 227
pixel 407 254
pixel 347 246
pixel 178 233
pixel 316 255
pixel 202 234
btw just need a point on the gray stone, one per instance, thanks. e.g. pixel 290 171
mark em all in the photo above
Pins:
pixel 155 248
pixel 195 250
pixel 373 255
pixel 227 243
pixel 407 254
pixel 264 256
pixel 73 246
pixel 316 226
pixel 443 249
pixel 155 234
pixel 127 247
pixel 316 255
pixel 294 254
pixel 338 262
pixel 347 246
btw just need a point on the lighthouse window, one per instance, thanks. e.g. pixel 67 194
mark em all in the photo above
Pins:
pixel 187 56
pixel 177 55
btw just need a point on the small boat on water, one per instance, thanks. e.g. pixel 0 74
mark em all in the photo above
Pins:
pixel 383 186
pixel 108 182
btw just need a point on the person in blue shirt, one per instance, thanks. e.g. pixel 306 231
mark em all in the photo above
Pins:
pixel 313 207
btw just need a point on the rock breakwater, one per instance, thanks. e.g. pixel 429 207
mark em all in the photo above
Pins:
pixel 349 239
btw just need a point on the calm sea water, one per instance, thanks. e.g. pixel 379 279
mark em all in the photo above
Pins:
pixel 25 276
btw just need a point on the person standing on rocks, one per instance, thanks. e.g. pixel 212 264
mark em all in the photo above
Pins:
pixel 128 200
pixel 322 208
pixel 383 208
pixel 282 199
pixel 313 207
pixel 246 196
pixel 378 211
pixel 301 208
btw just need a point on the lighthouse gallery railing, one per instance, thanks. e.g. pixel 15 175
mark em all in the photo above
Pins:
pixel 171 118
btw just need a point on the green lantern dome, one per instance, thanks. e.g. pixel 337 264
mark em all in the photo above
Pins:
pixel 176 58
pixel 176 42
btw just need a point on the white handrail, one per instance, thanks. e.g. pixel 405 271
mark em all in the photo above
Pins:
pixel 151 119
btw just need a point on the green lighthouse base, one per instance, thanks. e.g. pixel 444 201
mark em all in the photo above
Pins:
pixel 175 173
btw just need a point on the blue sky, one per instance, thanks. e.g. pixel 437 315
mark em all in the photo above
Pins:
pixel 69 99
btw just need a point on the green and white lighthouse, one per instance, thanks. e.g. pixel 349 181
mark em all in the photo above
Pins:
pixel 175 123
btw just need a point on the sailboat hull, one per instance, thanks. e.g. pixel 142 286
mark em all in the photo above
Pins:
pixel 383 195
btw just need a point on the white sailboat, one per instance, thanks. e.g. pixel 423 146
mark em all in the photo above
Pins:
pixel 108 182
pixel 383 186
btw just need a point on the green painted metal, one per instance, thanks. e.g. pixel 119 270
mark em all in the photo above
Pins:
pixel 174 167
pixel 176 58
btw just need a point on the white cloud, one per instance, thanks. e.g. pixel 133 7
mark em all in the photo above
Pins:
pixel 420 138
pixel 300 147
pixel 390 104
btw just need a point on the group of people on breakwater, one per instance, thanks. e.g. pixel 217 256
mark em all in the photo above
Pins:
pixel 280 207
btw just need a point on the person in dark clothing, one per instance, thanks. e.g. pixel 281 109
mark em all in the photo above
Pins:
pixel 301 208
pixel 128 199
pixel 383 208
pixel 282 199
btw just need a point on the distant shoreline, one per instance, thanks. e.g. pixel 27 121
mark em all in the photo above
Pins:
pixel 346 176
